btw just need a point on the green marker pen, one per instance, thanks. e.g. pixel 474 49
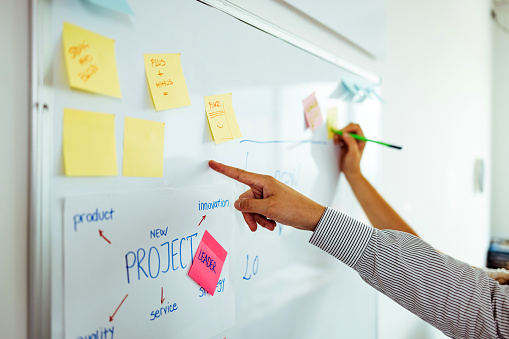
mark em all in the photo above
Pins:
pixel 359 137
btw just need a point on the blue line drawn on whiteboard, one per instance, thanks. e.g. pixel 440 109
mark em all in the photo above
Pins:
pixel 316 142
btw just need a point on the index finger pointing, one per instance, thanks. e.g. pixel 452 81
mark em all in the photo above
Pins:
pixel 242 176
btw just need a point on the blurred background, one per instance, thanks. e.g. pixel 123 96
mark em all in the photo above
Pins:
pixel 445 74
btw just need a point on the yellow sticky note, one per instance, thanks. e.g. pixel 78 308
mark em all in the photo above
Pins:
pixel 166 81
pixel 89 143
pixel 143 148
pixel 222 121
pixel 332 121
pixel 90 61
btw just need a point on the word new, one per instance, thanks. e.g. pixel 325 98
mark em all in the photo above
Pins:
pixel 136 259
pixel 158 232
pixel 219 203
pixel 106 333
pixel 219 288
pixel 164 310
pixel 208 261
pixel 92 217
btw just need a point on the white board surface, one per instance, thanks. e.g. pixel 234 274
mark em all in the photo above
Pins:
pixel 360 21
pixel 283 287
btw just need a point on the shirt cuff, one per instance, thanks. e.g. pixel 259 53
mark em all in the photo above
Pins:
pixel 341 236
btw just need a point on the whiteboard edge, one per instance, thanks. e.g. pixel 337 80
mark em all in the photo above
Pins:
pixel 280 33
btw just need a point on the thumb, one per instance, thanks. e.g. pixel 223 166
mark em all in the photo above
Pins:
pixel 258 206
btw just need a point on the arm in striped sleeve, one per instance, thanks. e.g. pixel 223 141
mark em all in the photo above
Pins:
pixel 459 300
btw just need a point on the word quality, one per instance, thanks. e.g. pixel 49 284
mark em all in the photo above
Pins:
pixel 103 333
pixel 164 254
pixel 219 203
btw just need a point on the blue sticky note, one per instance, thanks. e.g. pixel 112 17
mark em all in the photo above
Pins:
pixel 116 5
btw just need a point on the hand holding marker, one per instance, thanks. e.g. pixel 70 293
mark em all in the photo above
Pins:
pixel 361 138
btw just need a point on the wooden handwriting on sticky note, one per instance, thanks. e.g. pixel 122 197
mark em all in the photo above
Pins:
pixel 312 112
pixel 221 117
pixel 90 61
pixel 208 263
pixel 166 81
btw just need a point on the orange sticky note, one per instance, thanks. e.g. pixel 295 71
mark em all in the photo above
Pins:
pixel 143 148
pixel 89 143
pixel 312 112
pixel 166 81
pixel 208 263
pixel 221 117
pixel 90 61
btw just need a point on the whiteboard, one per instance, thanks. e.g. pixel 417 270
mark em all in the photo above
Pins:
pixel 278 284
pixel 361 21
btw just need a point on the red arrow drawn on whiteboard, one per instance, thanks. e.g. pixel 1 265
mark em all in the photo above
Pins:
pixel 102 235
pixel 111 316
pixel 202 218
pixel 162 299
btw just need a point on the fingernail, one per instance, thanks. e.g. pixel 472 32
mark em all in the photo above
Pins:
pixel 237 204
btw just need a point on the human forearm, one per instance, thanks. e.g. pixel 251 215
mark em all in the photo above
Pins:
pixel 457 299
pixel 379 212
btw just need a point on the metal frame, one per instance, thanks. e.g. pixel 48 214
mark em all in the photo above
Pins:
pixel 280 33
pixel 39 275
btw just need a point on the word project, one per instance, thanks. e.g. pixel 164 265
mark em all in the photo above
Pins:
pixel 312 112
pixel 115 5
pixel 332 121
pixel 89 143
pixel 126 263
pixel 166 81
pixel 143 148
pixel 208 263
pixel 221 117
pixel 90 61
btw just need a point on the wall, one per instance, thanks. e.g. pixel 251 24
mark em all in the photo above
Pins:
pixel 499 210
pixel 437 88
pixel 14 131
pixel 437 85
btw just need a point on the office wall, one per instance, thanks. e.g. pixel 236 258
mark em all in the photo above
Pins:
pixel 437 85
pixel 14 117
pixel 499 210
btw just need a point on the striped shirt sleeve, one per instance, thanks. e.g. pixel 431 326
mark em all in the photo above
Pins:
pixel 461 301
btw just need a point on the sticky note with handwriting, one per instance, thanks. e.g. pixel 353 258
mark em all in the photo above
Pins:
pixel 89 143
pixel 221 117
pixel 90 61
pixel 166 81
pixel 115 5
pixel 312 112
pixel 143 148
pixel 332 121
pixel 208 263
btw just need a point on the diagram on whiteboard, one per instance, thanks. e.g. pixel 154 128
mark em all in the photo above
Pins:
pixel 127 259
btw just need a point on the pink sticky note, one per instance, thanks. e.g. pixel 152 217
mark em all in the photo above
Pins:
pixel 208 263
pixel 312 112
